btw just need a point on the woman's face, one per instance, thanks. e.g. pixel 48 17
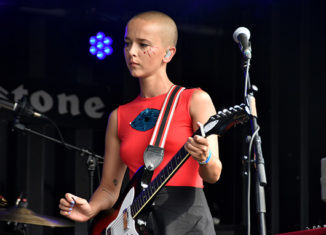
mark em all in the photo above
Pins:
pixel 143 50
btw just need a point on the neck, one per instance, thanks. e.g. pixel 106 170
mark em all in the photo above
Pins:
pixel 154 86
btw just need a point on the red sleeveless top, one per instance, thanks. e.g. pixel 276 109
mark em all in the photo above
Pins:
pixel 134 142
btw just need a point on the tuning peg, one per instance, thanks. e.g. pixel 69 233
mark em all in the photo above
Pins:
pixel 221 113
pixel 232 109
pixel 226 111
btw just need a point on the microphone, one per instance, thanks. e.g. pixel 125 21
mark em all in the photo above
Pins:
pixel 242 35
pixel 21 107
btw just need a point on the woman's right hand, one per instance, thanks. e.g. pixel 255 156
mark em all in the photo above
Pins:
pixel 75 208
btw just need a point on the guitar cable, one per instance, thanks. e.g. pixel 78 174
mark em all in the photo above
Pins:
pixel 249 180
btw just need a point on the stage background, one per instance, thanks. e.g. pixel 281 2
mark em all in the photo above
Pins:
pixel 44 55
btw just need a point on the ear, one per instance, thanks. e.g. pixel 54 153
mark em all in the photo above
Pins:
pixel 169 54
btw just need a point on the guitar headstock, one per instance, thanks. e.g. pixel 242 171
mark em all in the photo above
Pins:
pixel 225 119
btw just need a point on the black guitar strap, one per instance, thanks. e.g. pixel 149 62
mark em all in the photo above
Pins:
pixel 154 152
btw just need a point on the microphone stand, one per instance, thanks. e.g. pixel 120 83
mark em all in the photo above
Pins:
pixel 92 158
pixel 258 161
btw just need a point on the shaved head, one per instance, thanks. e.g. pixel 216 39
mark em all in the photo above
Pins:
pixel 169 31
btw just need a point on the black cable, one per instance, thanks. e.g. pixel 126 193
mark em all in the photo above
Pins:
pixel 58 131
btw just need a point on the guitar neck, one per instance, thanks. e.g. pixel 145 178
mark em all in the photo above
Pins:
pixel 160 180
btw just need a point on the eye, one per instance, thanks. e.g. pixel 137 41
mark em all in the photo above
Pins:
pixel 127 44
pixel 143 45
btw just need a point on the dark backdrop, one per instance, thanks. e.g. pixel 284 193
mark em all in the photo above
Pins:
pixel 44 49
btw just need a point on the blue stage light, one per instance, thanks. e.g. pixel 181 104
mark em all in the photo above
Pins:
pixel 92 40
pixel 100 45
pixel 108 50
pixel 93 50
pixel 107 41
pixel 100 36
pixel 100 55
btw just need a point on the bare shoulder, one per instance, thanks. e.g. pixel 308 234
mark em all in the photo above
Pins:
pixel 201 101
pixel 113 117
pixel 201 107
pixel 113 122
pixel 200 96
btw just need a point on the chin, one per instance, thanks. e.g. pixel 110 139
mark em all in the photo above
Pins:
pixel 136 74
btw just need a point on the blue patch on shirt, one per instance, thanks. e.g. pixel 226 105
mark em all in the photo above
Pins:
pixel 145 120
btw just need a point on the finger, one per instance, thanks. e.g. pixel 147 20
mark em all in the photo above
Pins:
pixel 65 206
pixel 64 202
pixel 65 213
pixel 71 198
pixel 196 153
pixel 192 149
pixel 189 144
pixel 78 200
pixel 198 148
pixel 200 140
pixel 193 142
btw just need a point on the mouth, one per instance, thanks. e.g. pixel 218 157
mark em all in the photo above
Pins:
pixel 133 64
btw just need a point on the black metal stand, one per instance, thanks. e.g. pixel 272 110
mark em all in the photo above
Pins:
pixel 92 158
pixel 258 161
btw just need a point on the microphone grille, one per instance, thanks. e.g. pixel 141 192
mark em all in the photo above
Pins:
pixel 241 30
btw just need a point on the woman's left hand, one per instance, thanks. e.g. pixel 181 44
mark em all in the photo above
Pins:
pixel 198 148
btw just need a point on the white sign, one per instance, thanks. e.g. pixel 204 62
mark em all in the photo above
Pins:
pixel 43 102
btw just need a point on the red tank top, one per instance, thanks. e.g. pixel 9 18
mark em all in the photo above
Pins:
pixel 134 142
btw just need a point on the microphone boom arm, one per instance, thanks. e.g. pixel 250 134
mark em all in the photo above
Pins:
pixel 92 160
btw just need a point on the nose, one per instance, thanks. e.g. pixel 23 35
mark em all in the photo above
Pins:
pixel 131 49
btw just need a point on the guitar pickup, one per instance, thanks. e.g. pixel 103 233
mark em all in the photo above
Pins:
pixel 125 219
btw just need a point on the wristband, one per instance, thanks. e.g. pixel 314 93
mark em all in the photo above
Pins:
pixel 207 159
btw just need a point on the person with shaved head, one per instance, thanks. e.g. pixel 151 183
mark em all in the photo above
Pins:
pixel 179 206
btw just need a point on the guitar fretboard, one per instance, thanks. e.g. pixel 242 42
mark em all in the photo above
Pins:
pixel 160 180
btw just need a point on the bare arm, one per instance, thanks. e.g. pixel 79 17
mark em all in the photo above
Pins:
pixel 107 193
pixel 201 108
pixel 113 169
